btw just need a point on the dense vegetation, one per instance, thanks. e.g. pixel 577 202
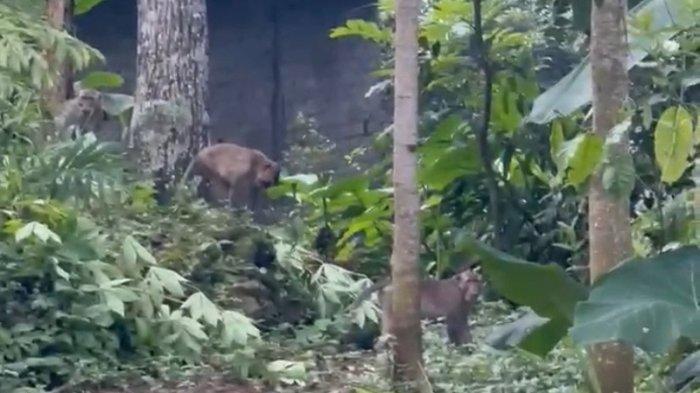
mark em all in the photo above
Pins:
pixel 99 281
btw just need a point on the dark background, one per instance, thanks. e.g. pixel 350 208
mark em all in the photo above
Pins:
pixel 322 77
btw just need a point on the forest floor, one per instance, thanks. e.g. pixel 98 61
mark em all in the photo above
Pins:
pixel 471 368
pixel 343 373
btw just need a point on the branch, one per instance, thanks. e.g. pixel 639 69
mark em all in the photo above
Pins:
pixel 482 134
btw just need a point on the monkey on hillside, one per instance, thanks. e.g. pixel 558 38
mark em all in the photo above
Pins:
pixel 233 173
pixel 83 113
pixel 451 298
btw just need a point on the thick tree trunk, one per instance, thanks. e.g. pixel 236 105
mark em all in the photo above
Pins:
pixel 404 259
pixel 170 121
pixel 608 216
pixel 59 15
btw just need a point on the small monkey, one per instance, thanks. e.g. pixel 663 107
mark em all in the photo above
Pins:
pixel 83 113
pixel 451 298
pixel 233 173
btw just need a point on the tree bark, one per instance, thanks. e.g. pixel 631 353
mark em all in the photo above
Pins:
pixel 170 123
pixel 408 372
pixel 608 215
pixel 59 14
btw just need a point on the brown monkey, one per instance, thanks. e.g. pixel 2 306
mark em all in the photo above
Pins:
pixel 451 298
pixel 232 173
pixel 83 113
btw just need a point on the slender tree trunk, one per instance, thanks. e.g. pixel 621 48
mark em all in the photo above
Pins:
pixel 278 118
pixel 170 123
pixel 608 215
pixel 59 15
pixel 482 133
pixel 408 371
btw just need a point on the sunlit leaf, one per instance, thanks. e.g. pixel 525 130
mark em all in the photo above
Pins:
pixel 83 6
pixel 363 29
pixel 38 230
pixel 237 328
pixel 556 143
pixel 169 279
pixel 101 79
pixel 201 307
pixel 581 157
pixel 673 143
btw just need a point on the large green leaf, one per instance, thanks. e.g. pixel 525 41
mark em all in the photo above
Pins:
pixel 574 90
pixel 453 163
pixel 578 157
pixel 101 79
pixel 505 115
pixel 546 289
pixel 686 373
pixel 649 303
pixel 83 6
pixel 586 156
pixel 290 184
pixel 556 142
pixel 354 184
pixel 673 143
pixel 513 333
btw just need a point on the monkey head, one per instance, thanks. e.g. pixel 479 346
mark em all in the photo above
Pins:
pixel 469 283
pixel 268 174
pixel 89 101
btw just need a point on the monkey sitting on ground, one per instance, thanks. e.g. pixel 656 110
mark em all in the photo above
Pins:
pixel 233 174
pixel 83 113
pixel 451 298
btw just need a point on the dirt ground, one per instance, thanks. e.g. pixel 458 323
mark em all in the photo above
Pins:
pixel 336 374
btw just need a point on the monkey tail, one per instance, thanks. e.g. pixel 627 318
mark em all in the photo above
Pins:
pixel 367 292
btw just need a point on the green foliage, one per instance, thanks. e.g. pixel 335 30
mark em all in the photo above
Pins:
pixel 83 290
pixel 649 303
pixel 320 154
pixel 544 288
pixel 511 334
pixel 101 79
pixel 23 40
pixel 363 29
pixel 579 157
pixel 673 143
pixel 80 290
pixel 652 22
pixel 84 6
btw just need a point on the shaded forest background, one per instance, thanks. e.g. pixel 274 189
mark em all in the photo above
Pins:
pixel 322 78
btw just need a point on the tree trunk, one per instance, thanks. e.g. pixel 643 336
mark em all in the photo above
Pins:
pixel 59 15
pixel 482 133
pixel 608 215
pixel 408 371
pixel 277 112
pixel 170 123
